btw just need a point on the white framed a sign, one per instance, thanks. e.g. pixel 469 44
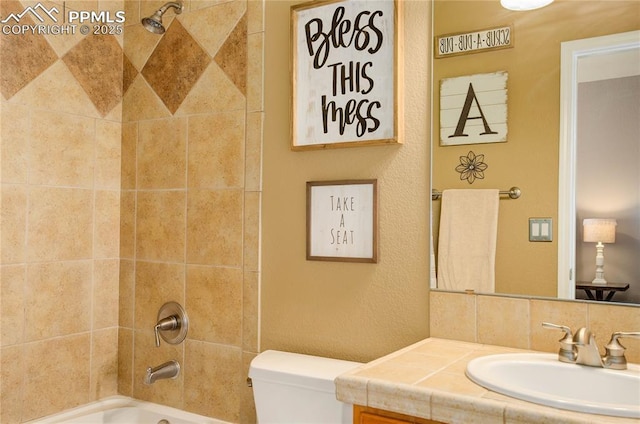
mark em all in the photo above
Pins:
pixel 342 221
pixel 473 109
pixel 345 73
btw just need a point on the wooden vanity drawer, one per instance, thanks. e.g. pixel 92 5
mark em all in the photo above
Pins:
pixel 367 415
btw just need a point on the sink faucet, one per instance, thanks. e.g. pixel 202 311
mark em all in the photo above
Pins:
pixel 582 348
pixel 169 369
pixel 587 349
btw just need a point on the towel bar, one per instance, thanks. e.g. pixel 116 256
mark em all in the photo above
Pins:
pixel 513 193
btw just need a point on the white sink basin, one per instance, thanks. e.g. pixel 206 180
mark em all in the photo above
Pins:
pixel 541 378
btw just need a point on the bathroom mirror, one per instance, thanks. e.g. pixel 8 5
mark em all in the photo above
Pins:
pixel 529 159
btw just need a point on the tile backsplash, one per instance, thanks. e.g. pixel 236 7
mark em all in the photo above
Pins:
pixel 516 321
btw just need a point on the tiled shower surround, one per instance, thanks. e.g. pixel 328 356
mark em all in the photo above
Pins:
pixel 131 177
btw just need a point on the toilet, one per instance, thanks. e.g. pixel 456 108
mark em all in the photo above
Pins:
pixel 291 388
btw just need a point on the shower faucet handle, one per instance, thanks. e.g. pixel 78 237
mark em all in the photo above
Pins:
pixel 172 324
pixel 166 324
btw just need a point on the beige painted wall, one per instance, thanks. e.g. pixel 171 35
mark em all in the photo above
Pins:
pixel 346 310
pixel 529 159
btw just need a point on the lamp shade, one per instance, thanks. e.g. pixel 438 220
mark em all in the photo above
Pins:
pixel 524 4
pixel 599 230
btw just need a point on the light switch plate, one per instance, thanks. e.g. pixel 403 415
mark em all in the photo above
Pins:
pixel 540 229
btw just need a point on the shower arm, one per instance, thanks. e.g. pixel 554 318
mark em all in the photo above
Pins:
pixel 175 5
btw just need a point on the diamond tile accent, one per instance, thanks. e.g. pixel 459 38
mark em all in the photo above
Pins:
pixel 129 73
pixel 175 66
pixel 28 52
pixel 232 56
pixel 96 62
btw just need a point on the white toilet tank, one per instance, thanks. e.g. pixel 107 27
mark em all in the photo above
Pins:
pixel 291 388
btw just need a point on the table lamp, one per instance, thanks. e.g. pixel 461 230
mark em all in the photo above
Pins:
pixel 599 231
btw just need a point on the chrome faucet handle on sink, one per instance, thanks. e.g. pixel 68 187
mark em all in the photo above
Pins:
pixel 614 357
pixel 567 352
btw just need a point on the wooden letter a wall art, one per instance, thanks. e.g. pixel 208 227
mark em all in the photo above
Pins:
pixel 473 109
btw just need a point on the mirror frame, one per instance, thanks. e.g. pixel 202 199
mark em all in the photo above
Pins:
pixel 571 54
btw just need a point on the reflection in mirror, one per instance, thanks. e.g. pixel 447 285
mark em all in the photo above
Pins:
pixel 529 158
pixel 600 98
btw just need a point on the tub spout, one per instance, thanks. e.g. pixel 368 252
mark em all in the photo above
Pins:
pixel 169 369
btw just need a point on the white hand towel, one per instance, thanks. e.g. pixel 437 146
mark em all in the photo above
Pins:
pixel 467 240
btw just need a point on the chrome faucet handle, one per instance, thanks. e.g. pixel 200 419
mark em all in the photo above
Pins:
pixel 567 352
pixel 614 357
pixel 173 324
pixel 166 324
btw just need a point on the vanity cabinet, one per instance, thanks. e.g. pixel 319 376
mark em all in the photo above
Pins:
pixel 368 415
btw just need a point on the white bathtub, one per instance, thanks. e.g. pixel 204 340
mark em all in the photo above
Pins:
pixel 124 410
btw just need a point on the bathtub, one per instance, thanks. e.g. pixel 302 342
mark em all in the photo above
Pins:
pixel 124 410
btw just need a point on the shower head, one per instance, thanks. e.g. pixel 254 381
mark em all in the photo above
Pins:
pixel 154 22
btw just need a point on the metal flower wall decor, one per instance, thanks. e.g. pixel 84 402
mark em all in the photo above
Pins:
pixel 471 167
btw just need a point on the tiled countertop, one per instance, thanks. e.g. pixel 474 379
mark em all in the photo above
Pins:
pixel 427 380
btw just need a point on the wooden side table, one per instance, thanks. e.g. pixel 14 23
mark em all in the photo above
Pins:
pixel 600 289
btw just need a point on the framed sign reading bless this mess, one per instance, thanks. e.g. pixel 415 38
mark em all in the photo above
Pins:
pixel 345 73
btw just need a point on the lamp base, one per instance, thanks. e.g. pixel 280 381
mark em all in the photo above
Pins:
pixel 599 281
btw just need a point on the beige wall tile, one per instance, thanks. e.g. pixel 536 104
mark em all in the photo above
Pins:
pixel 49 362
pixel 126 293
pixel 12 304
pixel 604 320
pixel 62 43
pixel 252 202
pixel 161 154
pixel 96 63
pixel 216 150
pixel 42 95
pixel 13 223
pixel 140 101
pixel 129 157
pixel 160 225
pixel 253 155
pixel 214 227
pixel 453 316
pixel 30 48
pixel 132 12
pixel 211 26
pixel 251 312
pixel 212 362
pixel 232 55
pixel 138 42
pixel 11 383
pixel 60 224
pixel 496 318
pixel 255 73
pixel 214 304
pixel 156 283
pixel 57 299
pixel 14 151
pixel 125 362
pixel 213 92
pixel 62 149
pixel 104 364
pixel 108 154
pixel 180 56
pixel 106 273
pixel 255 16
pixel 106 235
pixel 127 224
pixel 571 314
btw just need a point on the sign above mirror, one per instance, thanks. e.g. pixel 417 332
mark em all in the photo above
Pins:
pixel 473 42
